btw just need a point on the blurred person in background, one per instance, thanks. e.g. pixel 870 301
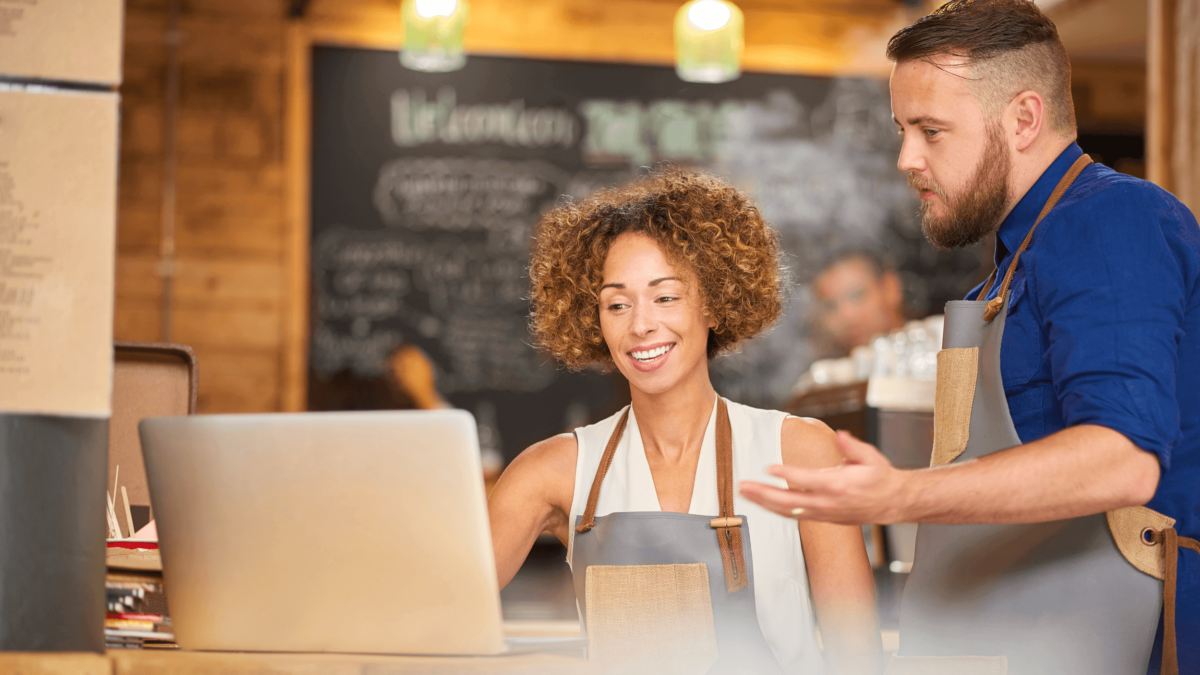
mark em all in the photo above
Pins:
pixel 858 297
pixel 408 382
pixel 414 380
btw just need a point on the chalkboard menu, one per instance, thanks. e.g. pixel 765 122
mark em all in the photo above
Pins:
pixel 426 188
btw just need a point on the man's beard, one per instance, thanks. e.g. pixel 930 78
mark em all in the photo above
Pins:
pixel 976 213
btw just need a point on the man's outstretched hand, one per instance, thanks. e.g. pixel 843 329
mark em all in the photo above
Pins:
pixel 864 489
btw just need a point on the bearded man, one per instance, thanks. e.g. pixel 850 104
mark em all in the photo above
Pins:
pixel 1060 515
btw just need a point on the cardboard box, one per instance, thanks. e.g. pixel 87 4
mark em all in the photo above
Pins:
pixel 150 379
pixel 62 40
pixel 58 204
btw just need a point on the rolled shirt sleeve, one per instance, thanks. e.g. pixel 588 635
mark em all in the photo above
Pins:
pixel 1111 294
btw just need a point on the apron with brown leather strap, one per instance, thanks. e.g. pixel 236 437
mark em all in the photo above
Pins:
pixel 669 592
pixel 1082 595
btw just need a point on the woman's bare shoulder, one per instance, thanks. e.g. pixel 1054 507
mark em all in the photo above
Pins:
pixel 548 467
pixel 809 444
pixel 555 452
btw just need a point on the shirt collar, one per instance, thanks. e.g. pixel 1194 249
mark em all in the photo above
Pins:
pixel 1020 220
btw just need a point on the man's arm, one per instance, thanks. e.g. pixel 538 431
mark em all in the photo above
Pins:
pixel 1076 472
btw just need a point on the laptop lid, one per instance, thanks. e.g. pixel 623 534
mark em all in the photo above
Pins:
pixel 360 532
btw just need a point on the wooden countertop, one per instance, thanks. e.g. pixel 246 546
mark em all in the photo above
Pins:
pixel 180 662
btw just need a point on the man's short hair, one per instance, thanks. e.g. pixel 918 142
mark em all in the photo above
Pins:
pixel 1010 46
pixel 871 260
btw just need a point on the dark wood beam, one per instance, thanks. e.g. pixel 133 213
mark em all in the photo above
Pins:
pixel 297 8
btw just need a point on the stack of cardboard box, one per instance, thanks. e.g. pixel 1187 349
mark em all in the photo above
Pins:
pixel 60 65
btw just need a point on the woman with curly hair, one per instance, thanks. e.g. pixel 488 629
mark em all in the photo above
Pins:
pixel 673 571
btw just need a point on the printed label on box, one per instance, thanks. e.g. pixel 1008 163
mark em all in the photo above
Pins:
pixel 62 40
pixel 58 166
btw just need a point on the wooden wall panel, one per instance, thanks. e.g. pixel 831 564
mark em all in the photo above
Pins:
pixel 808 36
pixel 239 379
pixel 1112 94
pixel 1173 110
pixel 228 293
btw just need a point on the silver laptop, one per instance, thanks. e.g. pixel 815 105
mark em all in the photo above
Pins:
pixel 361 532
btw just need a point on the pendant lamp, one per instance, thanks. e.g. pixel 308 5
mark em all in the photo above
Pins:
pixel 708 41
pixel 433 34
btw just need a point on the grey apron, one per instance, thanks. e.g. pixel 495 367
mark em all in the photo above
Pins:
pixel 669 592
pixel 1081 595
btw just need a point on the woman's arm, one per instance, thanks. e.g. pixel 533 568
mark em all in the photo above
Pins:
pixel 839 574
pixel 533 495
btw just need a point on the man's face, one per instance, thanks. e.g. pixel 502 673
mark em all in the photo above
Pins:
pixel 955 157
pixel 855 304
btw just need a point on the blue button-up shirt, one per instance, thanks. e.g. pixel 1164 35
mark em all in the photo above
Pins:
pixel 1104 328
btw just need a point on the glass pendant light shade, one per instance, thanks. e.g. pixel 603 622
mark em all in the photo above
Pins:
pixel 709 41
pixel 433 34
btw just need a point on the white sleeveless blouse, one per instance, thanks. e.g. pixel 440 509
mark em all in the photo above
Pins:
pixel 781 594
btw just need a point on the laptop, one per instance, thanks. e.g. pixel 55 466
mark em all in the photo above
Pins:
pixel 358 532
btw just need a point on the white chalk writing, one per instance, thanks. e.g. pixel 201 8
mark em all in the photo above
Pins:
pixel 417 120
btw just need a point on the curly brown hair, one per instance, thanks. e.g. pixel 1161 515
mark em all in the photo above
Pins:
pixel 703 225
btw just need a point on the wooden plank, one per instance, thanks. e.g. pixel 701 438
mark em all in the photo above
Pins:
pixel 145 77
pixel 213 89
pixel 262 204
pixel 219 283
pixel 248 8
pixel 138 229
pixel 1160 88
pixel 229 283
pixel 812 38
pixel 196 135
pixel 141 128
pixel 204 284
pixel 273 9
pixel 136 318
pixel 1186 95
pixel 238 379
pixel 247 138
pixel 297 154
pixel 230 325
pixel 140 181
pixel 41 663
pixel 1109 94
pixel 233 40
pixel 154 662
pixel 137 277
pixel 241 138
pixel 221 178
pixel 230 237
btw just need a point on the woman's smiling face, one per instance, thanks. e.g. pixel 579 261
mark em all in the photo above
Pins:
pixel 651 315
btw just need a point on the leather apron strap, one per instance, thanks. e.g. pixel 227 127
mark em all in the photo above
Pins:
pixel 589 511
pixel 728 526
pixel 997 303
pixel 729 534
pixel 1171 542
